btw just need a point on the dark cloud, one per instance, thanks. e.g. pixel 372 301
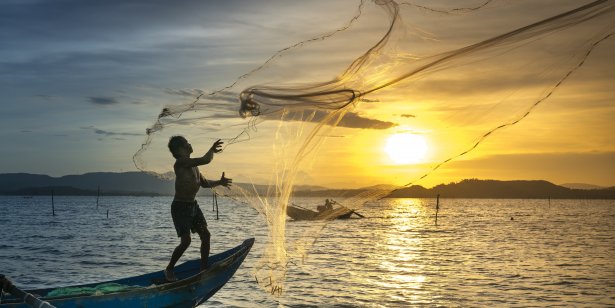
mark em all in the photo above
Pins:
pixel 408 116
pixel 350 120
pixel 78 45
pixel 79 18
pixel 184 92
pixel 228 96
pixel 354 120
pixel 108 133
pixel 218 97
pixel 103 100
pixel 224 104
pixel 230 111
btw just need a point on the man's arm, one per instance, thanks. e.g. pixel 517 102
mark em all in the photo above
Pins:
pixel 205 159
pixel 205 183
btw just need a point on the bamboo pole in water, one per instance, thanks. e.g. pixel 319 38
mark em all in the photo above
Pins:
pixel 437 207
pixel 97 196
pixel 53 209
pixel 216 204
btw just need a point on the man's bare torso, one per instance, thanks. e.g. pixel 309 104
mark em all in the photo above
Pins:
pixel 187 183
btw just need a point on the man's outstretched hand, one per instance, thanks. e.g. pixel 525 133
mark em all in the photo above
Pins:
pixel 224 181
pixel 217 146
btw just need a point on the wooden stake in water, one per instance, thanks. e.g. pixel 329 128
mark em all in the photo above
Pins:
pixel 97 196
pixel 53 208
pixel 437 207
pixel 216 204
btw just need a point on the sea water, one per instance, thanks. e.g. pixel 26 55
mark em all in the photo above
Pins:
pixel 481 252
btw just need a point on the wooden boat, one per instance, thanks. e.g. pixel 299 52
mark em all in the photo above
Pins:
pixel 192 288
pixel 298 213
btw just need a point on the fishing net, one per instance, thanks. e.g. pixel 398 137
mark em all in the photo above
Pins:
pixel 314 115
pixel 104 288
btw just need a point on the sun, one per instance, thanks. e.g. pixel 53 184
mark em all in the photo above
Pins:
pixel 406 148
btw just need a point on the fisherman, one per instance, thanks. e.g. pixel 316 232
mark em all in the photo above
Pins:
pixel 187 216
pixel 329 204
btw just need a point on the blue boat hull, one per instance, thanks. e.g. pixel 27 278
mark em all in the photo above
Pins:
pixel 193 287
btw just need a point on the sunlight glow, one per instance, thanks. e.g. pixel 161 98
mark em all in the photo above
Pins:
pixel 406 148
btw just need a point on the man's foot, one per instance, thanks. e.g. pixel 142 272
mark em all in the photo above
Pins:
pixel 169 275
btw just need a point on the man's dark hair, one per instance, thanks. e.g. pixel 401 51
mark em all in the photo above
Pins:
pixel 175 143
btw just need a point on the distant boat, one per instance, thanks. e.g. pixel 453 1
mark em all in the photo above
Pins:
pixel 192 288
pixel 299 213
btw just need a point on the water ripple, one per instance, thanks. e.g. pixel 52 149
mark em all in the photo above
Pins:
pixel 561 255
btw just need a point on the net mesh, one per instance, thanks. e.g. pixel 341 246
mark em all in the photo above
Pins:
pixel 104 288
pixel 287 128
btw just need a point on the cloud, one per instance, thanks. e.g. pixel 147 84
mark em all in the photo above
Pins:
pixel 354 120
pixel 184 92
pixel 221 96
pixel 407 116
pixel 103 100
pixel 228 96
pixel 108 133
pixel 350 120
pixel 222 105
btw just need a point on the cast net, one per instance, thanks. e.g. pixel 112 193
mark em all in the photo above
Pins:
pixel 312 117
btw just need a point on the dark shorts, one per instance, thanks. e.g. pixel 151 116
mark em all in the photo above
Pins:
pixel 187 216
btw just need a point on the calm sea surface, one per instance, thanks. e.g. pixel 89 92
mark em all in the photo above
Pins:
pixel 483 252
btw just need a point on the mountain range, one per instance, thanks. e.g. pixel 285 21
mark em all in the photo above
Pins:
pixel 474 188
pixel 125 183
pixel 140 183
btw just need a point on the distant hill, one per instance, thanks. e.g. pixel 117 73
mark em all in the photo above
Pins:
pixel 57 190
pixel 474 188
pixel 72 191
pixel 581 186
pixel 126 183
pixel 140 183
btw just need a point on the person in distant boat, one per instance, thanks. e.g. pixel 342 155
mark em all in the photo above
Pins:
pixel 187 216
pixel 327 207
pixel 329 204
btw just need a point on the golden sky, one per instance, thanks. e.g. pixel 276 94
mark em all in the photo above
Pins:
pixel 85 96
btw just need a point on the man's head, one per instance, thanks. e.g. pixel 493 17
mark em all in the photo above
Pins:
pixel 179 146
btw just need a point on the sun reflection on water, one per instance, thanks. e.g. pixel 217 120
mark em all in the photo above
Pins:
pixel 403 243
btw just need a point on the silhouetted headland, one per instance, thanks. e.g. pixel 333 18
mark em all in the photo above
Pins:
pixel 474 188
pixel 143 184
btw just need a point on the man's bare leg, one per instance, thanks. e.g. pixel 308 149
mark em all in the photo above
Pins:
pixel 169 275
pixel 205 245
